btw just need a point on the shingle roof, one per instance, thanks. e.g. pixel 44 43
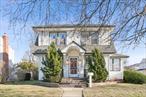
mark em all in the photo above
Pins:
pixel 88 48
pixel 72 25
pixel 119 56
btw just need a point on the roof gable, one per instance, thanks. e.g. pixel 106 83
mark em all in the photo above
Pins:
pixel 73 44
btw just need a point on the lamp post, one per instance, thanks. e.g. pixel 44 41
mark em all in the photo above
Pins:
pixel 90 74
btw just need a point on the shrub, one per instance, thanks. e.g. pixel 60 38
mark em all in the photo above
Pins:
pixel 26 67
pixel 52 64
pixel 96 63
pixel 131 76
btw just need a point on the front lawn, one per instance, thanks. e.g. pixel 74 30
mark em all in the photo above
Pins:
pixel 28 91
pixel 117 90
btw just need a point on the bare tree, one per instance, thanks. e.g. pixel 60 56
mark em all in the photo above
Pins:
pixel 128 16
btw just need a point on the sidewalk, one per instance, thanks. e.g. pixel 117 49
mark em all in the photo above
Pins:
pixel 72 92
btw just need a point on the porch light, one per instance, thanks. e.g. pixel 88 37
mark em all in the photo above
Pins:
pixel 67 62
pixel 79 62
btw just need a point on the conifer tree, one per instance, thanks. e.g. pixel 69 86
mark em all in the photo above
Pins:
pixel 97 64
pixel 52 64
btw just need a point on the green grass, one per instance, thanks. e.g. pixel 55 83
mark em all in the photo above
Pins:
pixel 33 82
pixel 27 90
pixel 117 90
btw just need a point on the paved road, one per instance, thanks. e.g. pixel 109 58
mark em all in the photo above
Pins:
pixel 72 92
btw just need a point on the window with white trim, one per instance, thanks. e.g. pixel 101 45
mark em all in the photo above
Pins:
pixel 115 64
pixel 92 37
pixel 59 38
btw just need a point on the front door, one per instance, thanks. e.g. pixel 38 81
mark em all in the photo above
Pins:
pixel 73 67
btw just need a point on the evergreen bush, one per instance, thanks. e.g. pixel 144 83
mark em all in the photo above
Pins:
pixel 131 76
pixel 52 64
pixel 96 64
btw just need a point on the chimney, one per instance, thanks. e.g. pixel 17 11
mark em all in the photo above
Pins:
pixel 6 53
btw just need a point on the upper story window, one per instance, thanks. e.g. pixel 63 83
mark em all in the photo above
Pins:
pixel 94 37
pixel 84 37
pixel 53 37
pixel 59 38
pixel 115 64
pixel 89 37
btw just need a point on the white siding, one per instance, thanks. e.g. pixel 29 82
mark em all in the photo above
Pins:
pixel 116 75
pixel 73 36
pixel 38 59
pixel 104 38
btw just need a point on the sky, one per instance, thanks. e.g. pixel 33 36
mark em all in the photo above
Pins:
pixel 20 42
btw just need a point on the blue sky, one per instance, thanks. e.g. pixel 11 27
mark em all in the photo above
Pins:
pixel 20 42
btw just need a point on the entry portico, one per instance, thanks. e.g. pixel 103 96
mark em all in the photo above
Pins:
pixel 74 61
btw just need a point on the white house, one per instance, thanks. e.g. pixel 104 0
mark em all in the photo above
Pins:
pixel 76 44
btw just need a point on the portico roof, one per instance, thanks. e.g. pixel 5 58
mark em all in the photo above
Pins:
pixel 73 44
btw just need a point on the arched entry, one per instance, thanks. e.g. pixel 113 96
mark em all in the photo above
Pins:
pixel 73 55
pixel 73 60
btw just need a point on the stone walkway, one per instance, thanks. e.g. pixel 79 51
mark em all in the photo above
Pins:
pixel 72 92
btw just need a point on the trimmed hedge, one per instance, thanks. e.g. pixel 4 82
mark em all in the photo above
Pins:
pixel 131 76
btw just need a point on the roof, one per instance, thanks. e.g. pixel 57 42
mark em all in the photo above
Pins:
pixel 141 65
pixel 143 60
pixel 106 49
pixel 69 27
pixel 72 25
pixel 73 44
pixel 119 56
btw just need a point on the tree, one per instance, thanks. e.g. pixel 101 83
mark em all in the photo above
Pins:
pixel 52 64
pixel 27 67
pixel 128 16
pixel 1 72
pixel 96 63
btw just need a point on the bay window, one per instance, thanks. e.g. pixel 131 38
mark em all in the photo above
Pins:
pixel 115 64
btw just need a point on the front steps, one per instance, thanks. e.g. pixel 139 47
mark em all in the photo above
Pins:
pixel 73 82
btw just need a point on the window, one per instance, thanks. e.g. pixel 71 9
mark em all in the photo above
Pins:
pixel 89 37
pixel 59 38
pixel 94 37
pixel 115 64
pixel 53 37
pixel 84 37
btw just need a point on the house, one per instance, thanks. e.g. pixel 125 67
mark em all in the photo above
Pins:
pixel 76 44
pixel 6 54
pixel 141 67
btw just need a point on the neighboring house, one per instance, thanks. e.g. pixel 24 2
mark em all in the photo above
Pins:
pixel 76 44
pixel 141 67
pixel 6 53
